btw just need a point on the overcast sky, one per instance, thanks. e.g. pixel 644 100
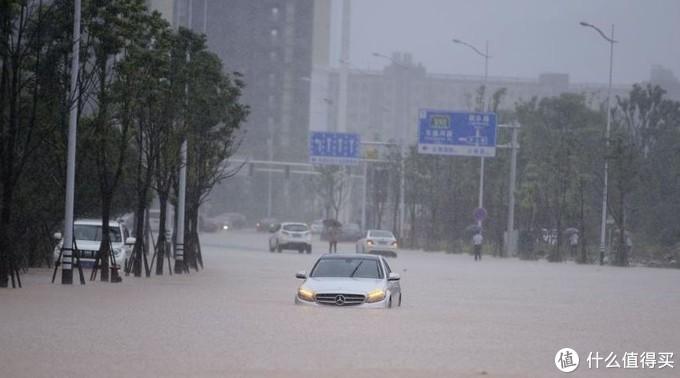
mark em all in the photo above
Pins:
pixel 526 37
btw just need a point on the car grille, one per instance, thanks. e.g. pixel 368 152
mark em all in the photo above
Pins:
pixel 340 299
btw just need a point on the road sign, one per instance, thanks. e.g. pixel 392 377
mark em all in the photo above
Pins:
pixel 479 214
pixel 457 133
pixel 334 148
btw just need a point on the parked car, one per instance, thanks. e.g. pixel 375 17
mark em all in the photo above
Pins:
pixel 231 221
pixel 350 280
pixel 291 235
pixel 264 224
pixel 350 232
pixel 87 234
pixel 208 224
pixel 380 242
pixel 316 227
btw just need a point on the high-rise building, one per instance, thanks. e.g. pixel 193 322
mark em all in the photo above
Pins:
pixel 273 44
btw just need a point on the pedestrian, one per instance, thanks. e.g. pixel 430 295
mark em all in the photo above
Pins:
pixel 477 241
pixel 573 243
pixel 333 239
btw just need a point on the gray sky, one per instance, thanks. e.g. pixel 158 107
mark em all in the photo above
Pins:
pixel 526 37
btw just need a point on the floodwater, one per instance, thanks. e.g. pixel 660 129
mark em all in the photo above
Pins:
pixel 459 318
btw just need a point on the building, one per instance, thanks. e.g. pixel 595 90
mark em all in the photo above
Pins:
pixel 383 105
pixel 273 44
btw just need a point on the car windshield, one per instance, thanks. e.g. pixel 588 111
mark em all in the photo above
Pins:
pixel 94 233
pixel 380 234
pixel 295 227
pixel 347 267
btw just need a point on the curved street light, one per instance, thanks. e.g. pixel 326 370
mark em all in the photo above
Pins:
pixel 603 224
pixel 486 56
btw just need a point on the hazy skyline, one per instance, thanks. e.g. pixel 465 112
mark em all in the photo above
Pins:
pixel 526 37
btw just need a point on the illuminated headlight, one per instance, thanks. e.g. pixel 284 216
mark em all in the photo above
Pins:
pixel 369 242
pixel 225 227
pixel 306 294
pixel 394 244
pixel 376 295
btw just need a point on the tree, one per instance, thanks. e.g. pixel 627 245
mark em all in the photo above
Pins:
pixel 25 102
pixel 143 78
pixel 645 132
pixel 112 29
pixel 212 117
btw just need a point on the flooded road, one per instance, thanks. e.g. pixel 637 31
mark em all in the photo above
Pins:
pixel 497 317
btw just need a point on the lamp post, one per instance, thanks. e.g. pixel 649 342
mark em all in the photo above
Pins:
pixel 402 181
pixel 486 57
pixel 605 188
pixel 67 245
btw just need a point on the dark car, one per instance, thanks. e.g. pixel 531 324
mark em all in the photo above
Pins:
pixel 264 224
pixel 350 232
pixel 231 221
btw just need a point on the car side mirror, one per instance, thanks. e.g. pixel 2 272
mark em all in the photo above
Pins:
pixel 301 275
pixel 130 240
pixel 393 277
pixel 57 235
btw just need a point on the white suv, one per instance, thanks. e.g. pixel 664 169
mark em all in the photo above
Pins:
pixel 295 236
pixel 87 234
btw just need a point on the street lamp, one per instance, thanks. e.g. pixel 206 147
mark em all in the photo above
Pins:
pixel 402 182
pixel 486 57
pixel 605 189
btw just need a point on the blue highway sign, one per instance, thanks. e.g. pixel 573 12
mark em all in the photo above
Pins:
pixel 443 132
pixel 334 148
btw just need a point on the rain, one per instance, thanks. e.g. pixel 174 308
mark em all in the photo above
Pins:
pixel 339 188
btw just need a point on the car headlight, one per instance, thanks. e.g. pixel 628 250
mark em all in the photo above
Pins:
pixel 369 242
pixel 395 245
pixel 376 295
pixel 306 294
pixel 117 251
pixel 225 227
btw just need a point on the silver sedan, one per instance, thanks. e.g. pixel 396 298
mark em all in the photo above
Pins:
pixel 350 280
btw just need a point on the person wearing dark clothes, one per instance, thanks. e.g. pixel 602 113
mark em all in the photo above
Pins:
pixel 333 239
pixel 477 241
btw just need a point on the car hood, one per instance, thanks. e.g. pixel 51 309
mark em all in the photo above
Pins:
pixel 343 285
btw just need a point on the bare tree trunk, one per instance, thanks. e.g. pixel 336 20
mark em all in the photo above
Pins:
pixel 161 243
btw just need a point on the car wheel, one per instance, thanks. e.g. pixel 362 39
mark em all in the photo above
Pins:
pixel 389 303
pixel 399 300
pixel 301 250
pixel 279 249
pixel 309 249
pixel 271 249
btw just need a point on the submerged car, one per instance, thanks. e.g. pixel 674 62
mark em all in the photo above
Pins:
pixel 379 242
pixel 87 234
pixel 290 235
pixel 350 280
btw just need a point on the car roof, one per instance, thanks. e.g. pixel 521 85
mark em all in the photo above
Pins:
pixel 290 223
pixel 380 231
pixel 349 256
pixel 95 222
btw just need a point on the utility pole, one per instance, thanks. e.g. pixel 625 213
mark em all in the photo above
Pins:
pixel 181 201
pixel 510 243
pixel 485 55
pixel 67 245
pixel 605 189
